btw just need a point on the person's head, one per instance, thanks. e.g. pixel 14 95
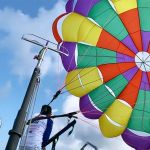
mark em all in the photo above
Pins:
pixel 46 110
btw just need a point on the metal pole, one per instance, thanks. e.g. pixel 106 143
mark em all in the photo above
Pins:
pixel 56 136
pixel 88 143
pixel 19 122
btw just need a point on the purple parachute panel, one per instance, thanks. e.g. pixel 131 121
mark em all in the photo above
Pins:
pixel 129 43
pixel 146 40
pixel 136 141
pixel 69 6
pixel 87 109
pixel 68 61
pixel 80 7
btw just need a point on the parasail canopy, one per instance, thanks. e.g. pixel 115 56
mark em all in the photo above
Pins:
pixel 109 64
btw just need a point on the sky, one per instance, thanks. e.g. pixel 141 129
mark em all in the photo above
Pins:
pixel 18 17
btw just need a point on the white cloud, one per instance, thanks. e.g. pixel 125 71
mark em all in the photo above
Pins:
pixel 71 104
pixel 55 110
pixel 5 89
pixel 13 24
pixel 85 130
pixel 0 123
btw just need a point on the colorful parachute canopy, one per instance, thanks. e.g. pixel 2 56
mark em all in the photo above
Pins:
pixel 109 64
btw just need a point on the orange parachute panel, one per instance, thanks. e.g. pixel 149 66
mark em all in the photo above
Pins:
pixel 131 91
pixel 106 40
pixel 130 19
pixel 109 71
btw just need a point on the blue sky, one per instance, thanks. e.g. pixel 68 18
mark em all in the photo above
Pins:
pixel 18 17
pixel 28 7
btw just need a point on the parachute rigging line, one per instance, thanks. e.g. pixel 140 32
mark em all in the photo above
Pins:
pixel 59 91
pixel 55 96
pixel 90 82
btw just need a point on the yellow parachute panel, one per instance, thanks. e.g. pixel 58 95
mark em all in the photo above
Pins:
pixel 118 113
pixel 124 5
pixel 77 28
pixel 81 81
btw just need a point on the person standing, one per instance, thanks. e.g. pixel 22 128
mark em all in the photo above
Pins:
pixel 39 131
